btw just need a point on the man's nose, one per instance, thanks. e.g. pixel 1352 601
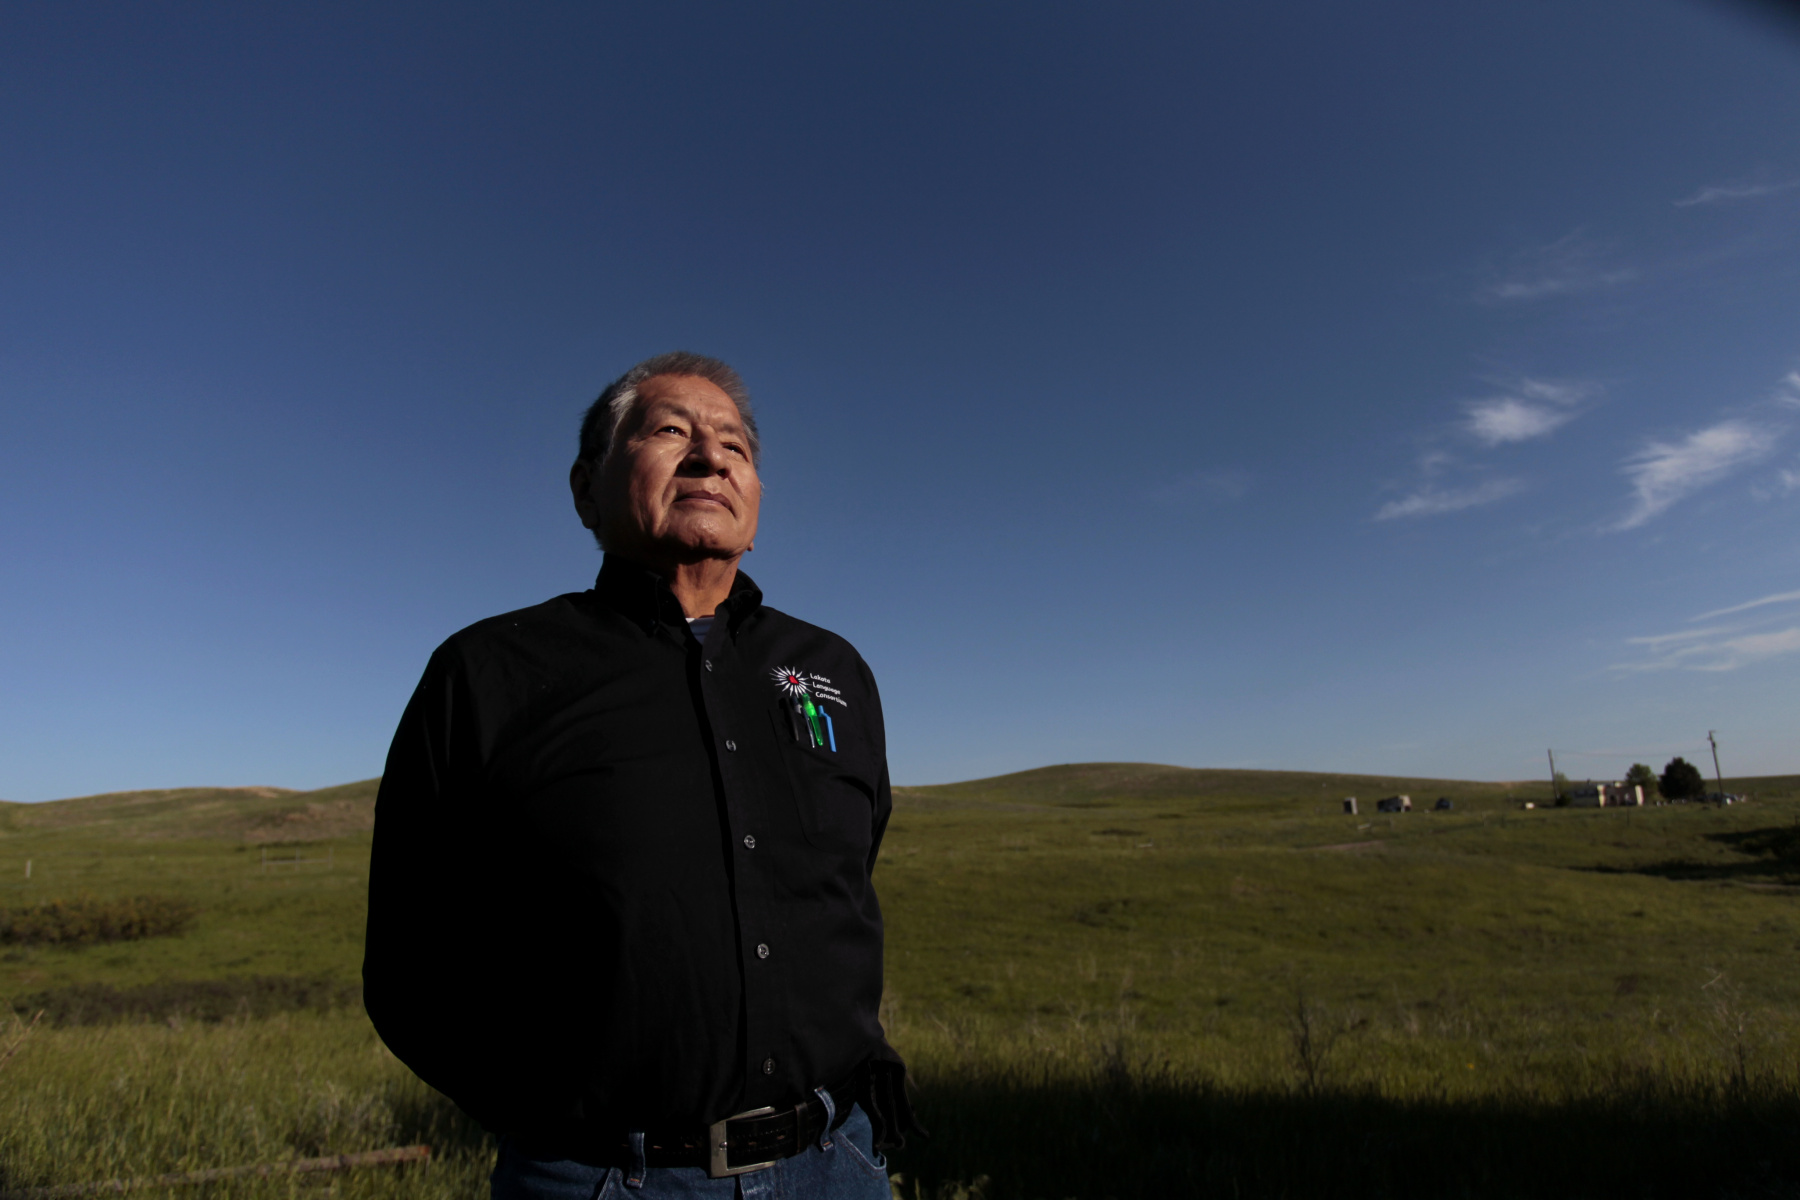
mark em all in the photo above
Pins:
pixel 706 452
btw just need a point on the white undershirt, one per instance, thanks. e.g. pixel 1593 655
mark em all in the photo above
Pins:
pixel 698 627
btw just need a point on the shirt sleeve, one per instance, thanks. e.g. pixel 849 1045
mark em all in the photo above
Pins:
pixel 886 1084
pixel 425 979
pixel 884 792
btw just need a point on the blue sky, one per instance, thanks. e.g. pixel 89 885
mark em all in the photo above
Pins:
pixel 1399 387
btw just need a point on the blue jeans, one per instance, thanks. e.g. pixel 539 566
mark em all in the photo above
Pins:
pixel 842 1165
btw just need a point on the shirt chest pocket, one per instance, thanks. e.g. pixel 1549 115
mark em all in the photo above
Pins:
pixel 828 779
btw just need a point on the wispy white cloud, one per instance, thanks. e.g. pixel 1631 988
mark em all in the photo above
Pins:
pixel 1435 462
pixel 1736 191
pixel 1723 646
pixel 1715 653
pixel 1556 391
pixel 1755 647
pixel 1529 409
pixel 1525 409
pixel 1506 419
pixel 1665 472
pixel 1568 265
pixel 1431 501
pixel 1560 283
pixel 1657 641
pixel 1785 482
pixel 1762 602
pixel 1788 390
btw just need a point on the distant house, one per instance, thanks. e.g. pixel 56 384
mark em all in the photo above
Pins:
pixel 1622 795
pixel 1350 805
pixel 1606 795
pixel 1394 804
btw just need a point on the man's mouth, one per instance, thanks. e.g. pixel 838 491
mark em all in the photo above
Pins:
pixel 703 498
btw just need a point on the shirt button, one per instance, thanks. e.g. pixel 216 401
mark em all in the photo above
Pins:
pixel 730 745
pixel 762 950
pixel 768 1066
pixel 709 664
pixel 749 841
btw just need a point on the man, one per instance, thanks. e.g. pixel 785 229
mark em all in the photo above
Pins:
pixel 620 908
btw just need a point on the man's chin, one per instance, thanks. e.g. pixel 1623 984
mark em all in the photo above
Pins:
pixel 679 542
pixel 696 548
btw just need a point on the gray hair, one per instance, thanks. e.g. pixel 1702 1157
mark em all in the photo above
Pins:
pixel 600 426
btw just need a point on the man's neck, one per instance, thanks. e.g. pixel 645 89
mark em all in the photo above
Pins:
pixel 700 587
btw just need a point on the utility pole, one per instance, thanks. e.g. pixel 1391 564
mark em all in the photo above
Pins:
pixel 1715 749
pixel 1554 794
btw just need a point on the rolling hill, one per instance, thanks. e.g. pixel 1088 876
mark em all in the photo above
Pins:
pixel 250 814
pixel 272 814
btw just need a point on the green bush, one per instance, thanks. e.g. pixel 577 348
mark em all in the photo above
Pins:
pixel 1681 780
pixel 208 1000
pixel 86 921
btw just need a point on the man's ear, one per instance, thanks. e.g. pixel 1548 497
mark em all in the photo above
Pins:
pixel 581 490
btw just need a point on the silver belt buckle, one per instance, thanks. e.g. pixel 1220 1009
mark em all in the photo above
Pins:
pixel 718 1144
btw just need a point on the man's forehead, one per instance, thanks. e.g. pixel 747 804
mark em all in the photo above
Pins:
pixel 689 396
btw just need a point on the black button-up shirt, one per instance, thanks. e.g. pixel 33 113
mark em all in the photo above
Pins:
pixel 621 878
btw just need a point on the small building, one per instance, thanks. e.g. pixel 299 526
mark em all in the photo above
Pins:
pixel 1394 804
pixel 1606 795
pixel 1621 795
pixel 1350 805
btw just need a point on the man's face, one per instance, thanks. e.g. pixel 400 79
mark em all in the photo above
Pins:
pixel 678 485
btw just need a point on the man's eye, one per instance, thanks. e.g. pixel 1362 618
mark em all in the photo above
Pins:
pixel 670 429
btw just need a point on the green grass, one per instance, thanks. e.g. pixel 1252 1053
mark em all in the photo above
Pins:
pixel 1110 979
pixel 129 1102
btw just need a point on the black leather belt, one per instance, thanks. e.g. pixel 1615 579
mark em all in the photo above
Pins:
pixel 748 1141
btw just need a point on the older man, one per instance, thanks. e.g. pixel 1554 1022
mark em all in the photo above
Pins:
pixel 620 908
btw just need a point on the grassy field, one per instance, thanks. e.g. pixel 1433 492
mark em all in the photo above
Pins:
pixel 1111 980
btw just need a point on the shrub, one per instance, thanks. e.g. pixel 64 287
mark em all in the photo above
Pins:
pixel 1681 780
pixel 206 1000
pixel 86 921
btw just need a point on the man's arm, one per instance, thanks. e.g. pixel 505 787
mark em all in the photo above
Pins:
pixel 885 1094
pixel 422 959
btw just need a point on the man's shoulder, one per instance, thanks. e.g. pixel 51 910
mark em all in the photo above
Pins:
pixel 558 612
pixel 524 632
pixel 776 625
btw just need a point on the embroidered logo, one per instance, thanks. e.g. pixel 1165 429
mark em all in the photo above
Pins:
pixel 803 699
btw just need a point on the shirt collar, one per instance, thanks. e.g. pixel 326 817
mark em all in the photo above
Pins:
pixel 644 596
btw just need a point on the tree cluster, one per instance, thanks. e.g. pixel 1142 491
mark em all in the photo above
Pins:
pixel 1681 780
